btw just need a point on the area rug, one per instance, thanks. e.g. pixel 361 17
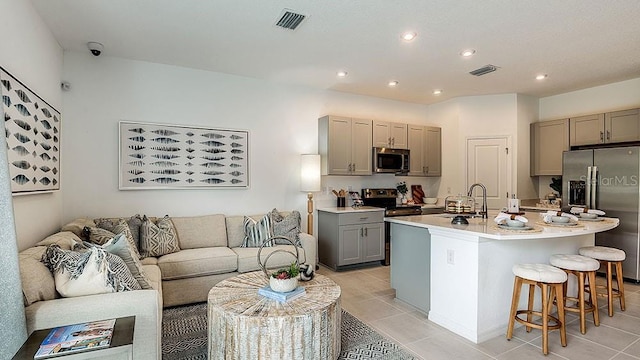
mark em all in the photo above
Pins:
pixel 184 337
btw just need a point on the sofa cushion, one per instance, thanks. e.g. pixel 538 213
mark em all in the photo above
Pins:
pixel 235 231
pixel 197 262
pixel 200 231
pixel 287 225
pixel 37 280
pixel 86 273
pixel 77 225
pixel 157 239
pixel 149 261
pixel 256 232
pixel 134 223
pixel 248 257
pixel 65 239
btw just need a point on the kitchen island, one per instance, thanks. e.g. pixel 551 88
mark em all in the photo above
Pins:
pixel 460 275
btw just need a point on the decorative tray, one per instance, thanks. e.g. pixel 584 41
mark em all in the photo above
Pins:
pixel 507 227
pixel 596 219
pixel 557 224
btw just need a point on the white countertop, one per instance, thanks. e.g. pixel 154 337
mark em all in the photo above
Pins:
pixel 487 228
pixel 349 209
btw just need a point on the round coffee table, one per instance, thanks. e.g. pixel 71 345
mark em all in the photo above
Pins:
pixel 247 326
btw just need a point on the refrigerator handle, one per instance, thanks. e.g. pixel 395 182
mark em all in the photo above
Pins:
pixel 594 187
pixel 587 194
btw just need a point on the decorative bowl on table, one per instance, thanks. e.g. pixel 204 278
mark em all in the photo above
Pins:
pixel 283 285
pixel 560 219
pixel 588 216
pixel 430 201
pixel 514 223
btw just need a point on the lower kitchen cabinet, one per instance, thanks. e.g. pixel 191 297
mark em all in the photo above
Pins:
pixel 348 237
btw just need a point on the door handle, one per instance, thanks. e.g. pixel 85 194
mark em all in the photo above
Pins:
pixel 366 232
pixel 427 169
pixel 361 232
pixel 354 167
pixel 393 141
pixel 389 141
pixel 608 135
pixel 601 136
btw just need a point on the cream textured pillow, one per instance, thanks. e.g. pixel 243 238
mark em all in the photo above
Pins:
pixel 287 226
pixel 158 239
pixel 121 247
pixel 256 232
pixel 87 273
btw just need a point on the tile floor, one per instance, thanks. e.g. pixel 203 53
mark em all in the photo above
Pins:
pixel 366 293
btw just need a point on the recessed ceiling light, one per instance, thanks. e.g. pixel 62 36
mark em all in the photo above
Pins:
pixel 541 76
pixel 437 92
pixel 467 52
pixel 409 35
pixel 393 83
pixel 342 73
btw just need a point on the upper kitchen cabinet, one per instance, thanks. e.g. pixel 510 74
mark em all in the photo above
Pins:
pixel 548 140
pixel 613 127
pixel 425 154
pixel 389 134
pixel 345 145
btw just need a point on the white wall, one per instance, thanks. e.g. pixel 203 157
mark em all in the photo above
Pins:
pixel 282 121
pixel 30 53
pixel 615 96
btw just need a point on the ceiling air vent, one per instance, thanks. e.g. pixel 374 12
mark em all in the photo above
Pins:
pixel 484 70
pixel 290 20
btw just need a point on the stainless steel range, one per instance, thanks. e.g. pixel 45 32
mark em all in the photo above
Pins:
pixel 386 198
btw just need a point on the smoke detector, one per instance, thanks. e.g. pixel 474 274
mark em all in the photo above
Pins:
pixel 484 70
pixel 290 20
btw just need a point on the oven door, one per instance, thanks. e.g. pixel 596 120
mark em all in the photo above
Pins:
pixel 389 160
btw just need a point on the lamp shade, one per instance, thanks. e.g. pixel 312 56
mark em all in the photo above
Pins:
pixel 310 172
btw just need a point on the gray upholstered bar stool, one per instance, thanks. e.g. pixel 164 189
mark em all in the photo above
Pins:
pixel 545 277
pixel 582 267
pixel 609 257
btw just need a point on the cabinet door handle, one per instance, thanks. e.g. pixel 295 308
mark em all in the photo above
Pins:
pixel 601 136
pixel 361 232
pixel 350 167
pixel 393 141
pixel 366 232
pixel 364 218
pixel 427 169
pixel 389 141
pixel 608 135
pixel 354 167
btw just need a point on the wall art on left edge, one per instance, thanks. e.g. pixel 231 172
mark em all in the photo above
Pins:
pixel 160 156
pixel 32 128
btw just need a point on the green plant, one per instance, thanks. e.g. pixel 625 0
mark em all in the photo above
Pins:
pixel 556 184
pixel 402 187
pixel 287 273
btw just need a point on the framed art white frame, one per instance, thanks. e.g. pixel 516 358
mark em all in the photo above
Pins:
pixel 163 156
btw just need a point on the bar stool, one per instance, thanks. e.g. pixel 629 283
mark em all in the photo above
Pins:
pixel 610 257
pixel 581 267
pixel 545 277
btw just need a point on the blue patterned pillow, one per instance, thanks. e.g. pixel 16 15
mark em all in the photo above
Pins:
pixel 256 232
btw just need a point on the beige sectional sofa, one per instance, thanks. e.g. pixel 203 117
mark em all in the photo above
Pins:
pixel 209 252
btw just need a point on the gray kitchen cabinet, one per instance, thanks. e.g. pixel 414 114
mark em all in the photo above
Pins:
pixel 548 140
pixel 389 134
pixel 347 238
pixel 425 146
pixel 612 127
pixel 345 145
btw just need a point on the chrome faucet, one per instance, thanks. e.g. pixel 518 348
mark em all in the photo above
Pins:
pixel 484 210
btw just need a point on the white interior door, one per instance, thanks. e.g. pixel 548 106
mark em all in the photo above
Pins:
pixel 489 163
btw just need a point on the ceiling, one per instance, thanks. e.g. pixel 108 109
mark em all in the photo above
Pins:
pixel 578 43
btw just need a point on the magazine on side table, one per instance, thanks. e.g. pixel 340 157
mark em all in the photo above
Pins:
pixel 76 338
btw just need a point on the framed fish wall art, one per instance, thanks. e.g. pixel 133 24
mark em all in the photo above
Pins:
pixel 160 156
pixel 32 129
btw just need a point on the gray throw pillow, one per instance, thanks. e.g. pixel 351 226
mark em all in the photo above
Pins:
pixel 134 222
pixel 97 235
pixel 158 239
pixel 288 226
pixel 256 232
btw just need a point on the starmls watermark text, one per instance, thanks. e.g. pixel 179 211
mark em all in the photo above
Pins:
pixel 623 180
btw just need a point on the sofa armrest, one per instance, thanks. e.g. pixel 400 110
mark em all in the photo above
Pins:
pixel 143 304
pixel 310 245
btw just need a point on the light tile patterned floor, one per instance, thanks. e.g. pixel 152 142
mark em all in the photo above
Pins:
pixel 366 293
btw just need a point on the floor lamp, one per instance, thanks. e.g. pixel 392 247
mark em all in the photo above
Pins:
pixel 310 182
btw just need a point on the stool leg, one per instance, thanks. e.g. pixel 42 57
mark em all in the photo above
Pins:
pixel 517 286
pixel 532 292
pixel 620 283
pixel 583 321
pixel 593 300
pixel 609 289
pixel 563 330
pixel 545 318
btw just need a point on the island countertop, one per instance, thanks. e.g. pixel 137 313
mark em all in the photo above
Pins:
pixel 487 228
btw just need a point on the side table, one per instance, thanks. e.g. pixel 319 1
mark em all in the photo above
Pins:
pixel 246 326
pixel 121 344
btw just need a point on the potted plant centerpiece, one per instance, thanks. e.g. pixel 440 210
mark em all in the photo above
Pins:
pixel 402 189
pixel 286 279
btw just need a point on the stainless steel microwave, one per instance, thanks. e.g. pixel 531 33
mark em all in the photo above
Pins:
pixel 386 160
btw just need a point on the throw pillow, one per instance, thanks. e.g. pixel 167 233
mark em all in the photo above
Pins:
pixel 97 235
pixel 158 239
pixel 134 223
pixel 123 228
pixel 121 247
pixel 256 232
pixel 288 226
pixel 86 273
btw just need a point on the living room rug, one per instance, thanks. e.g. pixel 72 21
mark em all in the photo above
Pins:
pixel 184 337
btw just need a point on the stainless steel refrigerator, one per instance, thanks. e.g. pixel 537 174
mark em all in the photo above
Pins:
pixel 608 179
